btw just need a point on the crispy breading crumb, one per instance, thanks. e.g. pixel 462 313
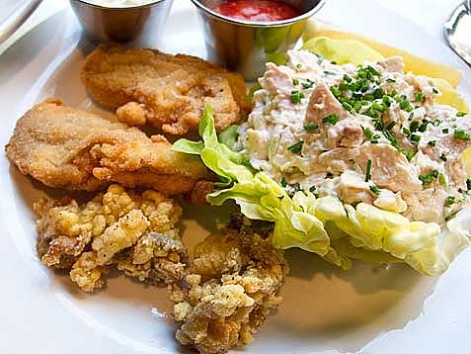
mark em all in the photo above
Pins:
pixel 230 288
pixel 135 232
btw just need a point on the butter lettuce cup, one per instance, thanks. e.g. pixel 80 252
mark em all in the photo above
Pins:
pixel 243 35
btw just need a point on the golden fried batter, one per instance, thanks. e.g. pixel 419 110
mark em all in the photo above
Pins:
pixel 230 288
pixel 68 148
pixel 169 92
pixel 136 233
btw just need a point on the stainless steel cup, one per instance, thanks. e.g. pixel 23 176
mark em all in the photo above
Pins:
pixel 245 46
pixel 139 25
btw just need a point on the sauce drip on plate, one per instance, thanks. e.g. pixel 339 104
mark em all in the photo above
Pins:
pixel 256 10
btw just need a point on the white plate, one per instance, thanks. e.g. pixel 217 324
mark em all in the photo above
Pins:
pixel 368 309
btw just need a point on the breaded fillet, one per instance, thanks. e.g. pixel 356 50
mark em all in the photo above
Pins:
pixel 65 147
pixel 231 286
pixel 169 92
pixel 136 233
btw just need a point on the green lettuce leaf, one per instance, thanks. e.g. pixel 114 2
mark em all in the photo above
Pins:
pixel 336 231
pixel 229 136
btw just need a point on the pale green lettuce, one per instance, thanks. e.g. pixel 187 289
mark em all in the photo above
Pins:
pixel 336 231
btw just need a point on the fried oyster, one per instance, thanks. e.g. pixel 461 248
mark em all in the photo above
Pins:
pixel 230 287
pixel 65 147
pixel 167 91
pixel 135 233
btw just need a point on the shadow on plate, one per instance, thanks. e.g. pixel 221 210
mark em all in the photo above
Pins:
pixel 331 309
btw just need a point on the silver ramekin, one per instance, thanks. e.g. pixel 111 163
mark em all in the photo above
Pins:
pixel 245 46
pixel 138 24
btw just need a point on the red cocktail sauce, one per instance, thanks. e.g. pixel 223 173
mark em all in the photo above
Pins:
pixel 256 10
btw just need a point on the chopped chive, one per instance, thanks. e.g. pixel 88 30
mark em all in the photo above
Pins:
pixel 449 200
pixel 310 127
pixel 428 178
pixel 377 106
pixel 371 135
pixel 347 78
pixel 404 103
pixel 335 91
pixel 378 93
pixel 308 84
pixel 375 190
pixel 406 131
pixel 418 96
pixel 460 114
pixel 436 122
pixel 468 184
pixel 331 119
pixel 445 131
pixel 357 106
pixel 368 171
pixel 410 155
pixel 327 72
pixel 387 101
pixel 296 96
pixel 284 182
pixel 391 125
pixel 344 87
pixel 312 189
pixel 432 143
pixel 296 148
pixel 415 138
pixel 368 133
pixel 414 126
pixel 295 82
pixel 423 126
pixel 461 134
pixel 347 106
pixel 390 80
pixel 411 116
pixel 370 113
pixel 435 91
pixel 443 157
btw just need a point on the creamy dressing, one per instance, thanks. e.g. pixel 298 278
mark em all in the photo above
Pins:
pixel 384 142
pixel 119 3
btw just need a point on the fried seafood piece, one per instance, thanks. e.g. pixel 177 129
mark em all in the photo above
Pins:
pixel 68 148
pixel 136 233
pixel 230 288
pixel 167 91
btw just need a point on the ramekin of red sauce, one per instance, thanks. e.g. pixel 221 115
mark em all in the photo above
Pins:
pixel 256 10
pixel 243 35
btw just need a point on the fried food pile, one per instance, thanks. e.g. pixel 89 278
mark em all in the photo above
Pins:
pixel 167 91
pixel 65 147
pixel 134 232
pixel 222 295
pixel 229 289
